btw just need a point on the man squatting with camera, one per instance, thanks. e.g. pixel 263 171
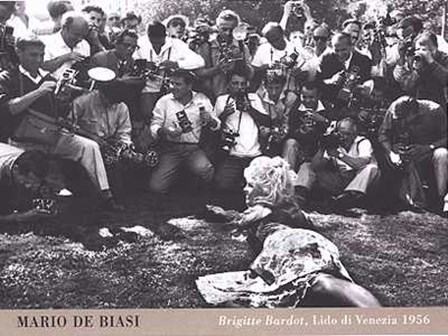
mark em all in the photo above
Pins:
pixel 301 97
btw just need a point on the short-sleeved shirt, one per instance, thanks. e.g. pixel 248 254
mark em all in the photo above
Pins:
pixel 361 148
pixel 55 46
pixel 247 143
pixel 165 114
pixel 173 50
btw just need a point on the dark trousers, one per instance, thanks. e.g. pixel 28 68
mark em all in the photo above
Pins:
pixel 229 182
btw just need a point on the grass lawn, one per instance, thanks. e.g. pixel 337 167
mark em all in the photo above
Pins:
pixel 401 258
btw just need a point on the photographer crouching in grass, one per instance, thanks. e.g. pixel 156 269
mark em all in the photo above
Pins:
pixel 343 167
pixel 28 186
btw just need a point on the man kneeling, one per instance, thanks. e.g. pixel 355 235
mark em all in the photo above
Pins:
pixel 177 123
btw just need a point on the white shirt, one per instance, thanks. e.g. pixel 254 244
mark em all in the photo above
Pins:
pixel 112 122
pixel 20 28
pixel 55 47
pixel 361 147
pixel 8 155
pixel 164 115
pixel 347 62
pixel 320 107
pixel 173 50
pixel 266 54
pixel 247 144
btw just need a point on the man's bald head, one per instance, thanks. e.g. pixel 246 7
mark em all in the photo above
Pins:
pixel 75 28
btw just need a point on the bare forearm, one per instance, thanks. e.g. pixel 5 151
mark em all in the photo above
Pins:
pixel 55 63
pixel 356 163
pixel 20 104
pixel 207 72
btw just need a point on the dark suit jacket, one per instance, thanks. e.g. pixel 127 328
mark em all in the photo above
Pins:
pixel 108 59
pixel 330 65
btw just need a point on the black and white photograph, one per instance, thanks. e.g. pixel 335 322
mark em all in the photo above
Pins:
pixel 223 154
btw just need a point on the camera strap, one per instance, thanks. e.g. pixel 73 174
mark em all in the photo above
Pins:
pixel 240 116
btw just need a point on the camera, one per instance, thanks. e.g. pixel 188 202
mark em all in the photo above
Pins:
pixel 418 58
pixel 184 122
pixel 409 49
pixel 297 9
pixel 241 104
pixel 228 139
pixel 82 67
pixel 150 70
pixel 351 78
pixel 46 205
pixel 331 141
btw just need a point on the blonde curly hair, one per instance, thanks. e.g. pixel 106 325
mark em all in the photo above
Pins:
pixel 272 179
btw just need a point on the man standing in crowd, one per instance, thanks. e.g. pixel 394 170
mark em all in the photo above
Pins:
pixel 414 135
pixel 8 58
pixel 31 88
pixel 241 115
pixel 345 167
pixel 320 36
pixel 164 54
pixel 281 54
pixel 335 68
pixel 22 23
pixel 64 48
pixel 131 21
pixel 424 72
pixel 224 55
pixel 56 9
pixel 177 124
pixel 176 26
pixel 113 26
pixel 98 42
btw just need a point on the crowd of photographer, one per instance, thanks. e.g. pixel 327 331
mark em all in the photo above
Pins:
pixel 357 111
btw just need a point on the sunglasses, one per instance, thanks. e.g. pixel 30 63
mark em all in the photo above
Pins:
pixel 321 38
pixel 130 46
pixel 114 18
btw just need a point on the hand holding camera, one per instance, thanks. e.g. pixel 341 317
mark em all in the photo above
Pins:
pixel 288 8
pixel 174 130
pixel 73 56
pixel 225 65
pixel 168 65
pixel 47 87
pixel 229 109
pixel 337 79
pixel 334 152
pixel 204 116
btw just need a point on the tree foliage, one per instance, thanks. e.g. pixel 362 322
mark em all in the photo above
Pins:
pixel 259 12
